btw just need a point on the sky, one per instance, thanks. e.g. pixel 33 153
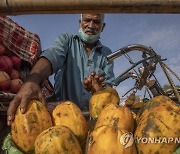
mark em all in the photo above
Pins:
pixel 161 32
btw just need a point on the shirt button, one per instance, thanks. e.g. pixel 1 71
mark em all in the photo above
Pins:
pixel 90 61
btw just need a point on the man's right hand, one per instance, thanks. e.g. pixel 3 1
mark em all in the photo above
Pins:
pixel 28 91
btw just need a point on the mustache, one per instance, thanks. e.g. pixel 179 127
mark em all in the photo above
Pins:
pixel 90 31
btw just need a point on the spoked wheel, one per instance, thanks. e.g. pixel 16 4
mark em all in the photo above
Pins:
pixel 144 76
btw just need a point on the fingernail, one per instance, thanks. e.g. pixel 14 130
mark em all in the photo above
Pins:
pixel 9 117
pixel 22 109
pixel 104 85
pixel 8 123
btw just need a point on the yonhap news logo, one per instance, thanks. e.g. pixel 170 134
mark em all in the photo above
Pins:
pixel 127 140
pixel 156 140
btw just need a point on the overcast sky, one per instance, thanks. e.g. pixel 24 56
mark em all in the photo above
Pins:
pixel 160 31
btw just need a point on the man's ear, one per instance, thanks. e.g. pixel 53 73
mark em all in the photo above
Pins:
pixel 79 22
pixel 104 24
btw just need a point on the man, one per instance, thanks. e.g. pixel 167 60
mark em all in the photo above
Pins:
pixel 79 62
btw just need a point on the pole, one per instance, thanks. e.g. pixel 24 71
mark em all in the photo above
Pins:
pixel 18 7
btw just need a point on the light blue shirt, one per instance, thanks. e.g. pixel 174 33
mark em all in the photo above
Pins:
pixel 72 65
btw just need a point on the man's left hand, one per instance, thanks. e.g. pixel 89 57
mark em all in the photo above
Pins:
pixel 94 82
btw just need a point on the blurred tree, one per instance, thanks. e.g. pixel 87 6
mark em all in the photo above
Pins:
pixel 167 86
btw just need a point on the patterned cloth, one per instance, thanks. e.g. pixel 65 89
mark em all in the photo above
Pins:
pixel 24 44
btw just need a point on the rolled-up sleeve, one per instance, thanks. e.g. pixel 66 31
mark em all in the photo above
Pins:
pixel 108 71
pixel 105 67
pixel 56 54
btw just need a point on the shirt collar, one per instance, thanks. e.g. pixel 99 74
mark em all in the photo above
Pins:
pixel 97 46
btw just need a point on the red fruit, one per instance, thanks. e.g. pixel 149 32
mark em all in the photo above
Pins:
pixel 4 81
pixel 2 49
pixel 6 91
pixel 7 53
pixel 14 74
pixel 16 61
pixel 15 85
pixel 6 64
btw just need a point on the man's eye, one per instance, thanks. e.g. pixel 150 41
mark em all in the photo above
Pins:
pixel 97 22
pixel 86 20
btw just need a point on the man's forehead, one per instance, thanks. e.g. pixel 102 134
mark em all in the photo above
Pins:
pixel 91 15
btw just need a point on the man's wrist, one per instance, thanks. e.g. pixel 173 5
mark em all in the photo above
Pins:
pixel 35 77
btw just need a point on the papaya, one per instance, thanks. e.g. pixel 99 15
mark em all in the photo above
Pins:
pixel 100 99
pixel 158 123
pixel 110 140
pixel 57 140
pixel 121 114
pixel 69 114
pixel 26 127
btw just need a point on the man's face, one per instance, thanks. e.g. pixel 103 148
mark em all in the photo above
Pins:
pixel 92 24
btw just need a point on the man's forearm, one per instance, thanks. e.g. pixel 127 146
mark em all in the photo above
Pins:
pixel 40 71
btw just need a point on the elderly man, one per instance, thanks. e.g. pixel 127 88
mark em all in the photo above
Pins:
pixel 79 63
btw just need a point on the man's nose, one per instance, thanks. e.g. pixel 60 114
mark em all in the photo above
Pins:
pixel 91 24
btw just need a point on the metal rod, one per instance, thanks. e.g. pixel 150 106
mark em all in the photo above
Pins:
pixel 172 71
pixel 17 7
pixel 170 81
pixel 125 72
pixel 128 48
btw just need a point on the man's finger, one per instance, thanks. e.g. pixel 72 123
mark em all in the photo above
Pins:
pixel 24 104
pixel 42 98
pixel 103 85
pixel 101 79
pixel 89 79
pixel 85 82
pixel 93 73
pixel 97 76
pixel 12 110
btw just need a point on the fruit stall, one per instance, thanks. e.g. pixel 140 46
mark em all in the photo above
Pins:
pixel 19 51
pixel 136 127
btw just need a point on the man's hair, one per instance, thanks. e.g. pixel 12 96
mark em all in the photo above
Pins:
pixel 102 16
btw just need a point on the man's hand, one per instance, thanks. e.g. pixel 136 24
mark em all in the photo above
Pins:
pixel 29 90
pixel 93 82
